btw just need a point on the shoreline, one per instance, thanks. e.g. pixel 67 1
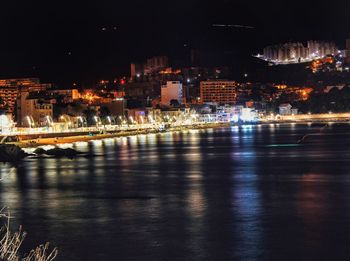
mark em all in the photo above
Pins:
pixel 37 142
pixel 33 143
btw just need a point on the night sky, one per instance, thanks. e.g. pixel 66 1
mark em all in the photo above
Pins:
pixel 65 41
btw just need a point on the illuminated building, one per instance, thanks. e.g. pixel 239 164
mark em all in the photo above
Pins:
pixel 285 52
pixel 171 91
pixel 37 108
pixel 6 123
pixel 222 92
pixel 89 96
pixel 33 84
pixel 155 64
pixel 118 94
pixel 116 107
pixel 327 89
pixel 285 109
pixel 10 88
pixel 136 70
pixel 8 96
pixel 19 82
pixel 68 95
pixel 292 93
pixel 319 49
pixel 347 51
pixel 297 52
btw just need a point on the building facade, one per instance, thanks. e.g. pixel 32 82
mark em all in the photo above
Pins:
pixel 221 92
pixel 10 89
pixel 136 70
pixel 347 51
pixel 156 64
pixel 297 52
pixel 285 109
pixel 172 90
pixel 8 96
pixel 69 95
pixel 33 111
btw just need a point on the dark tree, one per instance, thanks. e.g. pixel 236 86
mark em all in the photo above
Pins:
pixel 174 103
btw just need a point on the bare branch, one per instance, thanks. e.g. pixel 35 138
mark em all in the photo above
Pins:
pixel 11 242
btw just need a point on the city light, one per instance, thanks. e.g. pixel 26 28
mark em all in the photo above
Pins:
pixel 29 121
pixel 235 118
pixel 5 122
pixel 292 53
pixel 49 121
pixel 152 130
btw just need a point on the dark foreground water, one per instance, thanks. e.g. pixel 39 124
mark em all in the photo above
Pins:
pixel 246 193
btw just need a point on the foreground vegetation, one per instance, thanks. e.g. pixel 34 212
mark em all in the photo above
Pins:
pixel 11 242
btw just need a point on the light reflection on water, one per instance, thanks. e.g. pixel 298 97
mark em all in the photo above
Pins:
pixel 240 193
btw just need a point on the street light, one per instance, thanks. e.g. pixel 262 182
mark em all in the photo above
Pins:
pixel 81 121
pixel 49 122
pixel 29 121
pixel 96 120
pixel 5 123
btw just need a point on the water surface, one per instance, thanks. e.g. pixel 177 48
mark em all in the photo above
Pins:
pixel 249 193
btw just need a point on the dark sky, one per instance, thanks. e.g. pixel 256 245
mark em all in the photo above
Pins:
pixel 63 41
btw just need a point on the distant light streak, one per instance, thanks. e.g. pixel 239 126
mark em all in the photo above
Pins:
pixel 283 145
pixel 234 25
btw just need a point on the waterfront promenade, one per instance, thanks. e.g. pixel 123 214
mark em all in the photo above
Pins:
pixel 32 137
pixel 322 117
pixel 37 137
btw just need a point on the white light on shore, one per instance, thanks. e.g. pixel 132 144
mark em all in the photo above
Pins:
pixel 5 122
pixel 29 121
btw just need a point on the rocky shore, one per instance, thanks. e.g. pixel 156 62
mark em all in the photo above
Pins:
pixel 14 153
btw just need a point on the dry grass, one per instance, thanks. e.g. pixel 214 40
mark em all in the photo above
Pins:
pixel 10 243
